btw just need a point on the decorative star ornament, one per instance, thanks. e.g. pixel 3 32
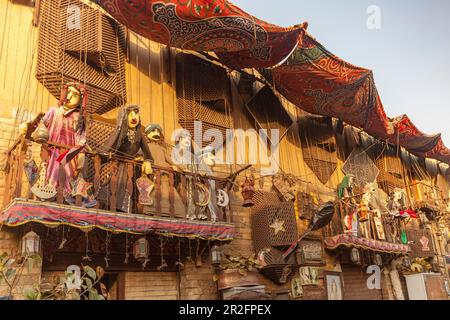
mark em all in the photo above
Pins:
pixel 278 226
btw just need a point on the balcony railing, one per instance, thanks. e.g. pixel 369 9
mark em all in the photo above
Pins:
pixel 173 190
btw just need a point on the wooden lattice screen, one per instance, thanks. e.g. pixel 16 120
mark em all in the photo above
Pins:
pixel 391 173
pixel 318 146
pixel 202 95
pixel 78 43
pixel 267 110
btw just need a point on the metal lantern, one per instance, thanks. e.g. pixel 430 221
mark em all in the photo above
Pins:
pixel 355 256
pixel 378 259
pixel 31 244
pixel 216 255
pixel 141 249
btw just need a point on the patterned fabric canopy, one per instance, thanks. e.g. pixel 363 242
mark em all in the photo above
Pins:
pixel 20 212
pixel 411 138
pixel 321 83
pixel 207 25
pixel 366 244
pixel 302 69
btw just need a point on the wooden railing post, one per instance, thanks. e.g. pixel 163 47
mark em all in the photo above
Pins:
pixel 158 192
pixel 113 184
pixel 171 195
pixel 97 177
pixel 61 184
pixel 130 174
pixel 8 178
pixel 21 157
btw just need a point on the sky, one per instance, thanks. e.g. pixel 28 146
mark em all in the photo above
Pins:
pixel 409 53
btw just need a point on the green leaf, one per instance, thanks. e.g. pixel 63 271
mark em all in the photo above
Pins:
pixel 100 272
pixel 90 272
pixel 88 283
pixel 93 295
pixel 31 294
pixel 10 274
pixel 9 263
pixel 100 297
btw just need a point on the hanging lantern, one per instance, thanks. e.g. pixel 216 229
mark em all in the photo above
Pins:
pixel 216 255
pixel 141 249
pixel 378 259
pixel 355 256
pixel 31 244
pixel 248 191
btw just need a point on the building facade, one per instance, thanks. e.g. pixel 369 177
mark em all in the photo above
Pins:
pixel 188 227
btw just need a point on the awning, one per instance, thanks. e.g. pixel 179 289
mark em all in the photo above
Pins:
pixel 205 25
pixel 367 244
pixel 303 70
pixel 20 212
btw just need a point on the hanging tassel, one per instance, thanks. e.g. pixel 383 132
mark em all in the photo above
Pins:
pixel 87 257
pixel 63 241
pixel 179 264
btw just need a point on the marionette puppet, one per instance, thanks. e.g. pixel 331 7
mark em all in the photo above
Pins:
pixel 207 161
pixel 126 142
pixel 183 156
pixel 346 194
pixel 65 126
pixel 163 161
pixel 365 211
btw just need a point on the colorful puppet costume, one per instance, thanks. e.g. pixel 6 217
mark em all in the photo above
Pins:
pixel 66 127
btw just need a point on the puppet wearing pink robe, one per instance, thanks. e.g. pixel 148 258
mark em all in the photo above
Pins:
pixel 64 128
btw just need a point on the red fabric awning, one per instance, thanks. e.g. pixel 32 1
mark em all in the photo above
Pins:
pixel 205 25
pixel 20 212
pixel 304 71
pixel 321 83
pixel 367 244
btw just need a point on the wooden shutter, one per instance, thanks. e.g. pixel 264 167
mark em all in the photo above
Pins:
pixel 355 285
pixel 151 286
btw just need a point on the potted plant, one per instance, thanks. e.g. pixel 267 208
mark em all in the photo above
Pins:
pixel 238 272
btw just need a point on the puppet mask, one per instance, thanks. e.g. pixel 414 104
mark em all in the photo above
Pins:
pixel 210 159
pixel 133 119
pixel 154 135
pixel 185 142
pixel 398 194
pixel 73 98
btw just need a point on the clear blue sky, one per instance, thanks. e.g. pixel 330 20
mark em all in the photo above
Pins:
pixel 409 55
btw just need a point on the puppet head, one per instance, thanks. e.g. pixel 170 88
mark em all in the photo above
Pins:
pixel 73 95
pixel 368 192
pixel 154 132
pixel 207 156
pixel 183 139
pixel 133 117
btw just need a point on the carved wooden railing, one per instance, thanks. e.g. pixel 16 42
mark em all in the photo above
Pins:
pixel 93 172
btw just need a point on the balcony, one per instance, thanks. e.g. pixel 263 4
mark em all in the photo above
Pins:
pixel 166 216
